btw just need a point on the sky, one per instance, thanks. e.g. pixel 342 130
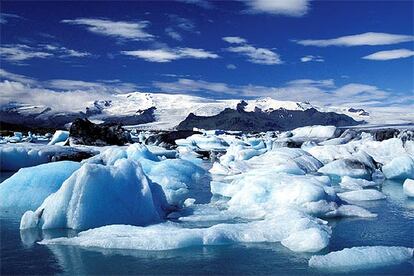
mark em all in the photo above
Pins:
pixel 357 53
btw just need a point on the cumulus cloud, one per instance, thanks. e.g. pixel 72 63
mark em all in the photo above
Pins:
pixel 116 29
pixel 234 39
pixel 59 94
pixel 369 38
pixel 310 58
pixel 253 54
pixel 390 54
pixel 317 92
pixel 168 55
pixel 278 7
pixel 17 53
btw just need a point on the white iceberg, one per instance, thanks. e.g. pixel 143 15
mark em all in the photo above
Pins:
pixel 60 137
pixel 288 226
pixel 97 195
pixel 350 183
pixel 361 195
pixel 401 167
pixel 408 187
pixel 364 257
pixel 28 188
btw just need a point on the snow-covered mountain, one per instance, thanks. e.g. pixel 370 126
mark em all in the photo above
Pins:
pixel 152 110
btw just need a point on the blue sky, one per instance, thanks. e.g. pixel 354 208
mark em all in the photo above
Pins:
pixel 341 51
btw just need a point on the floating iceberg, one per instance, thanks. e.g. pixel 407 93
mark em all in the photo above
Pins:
pixel 408 187
pixel 203 142
pixel 354 167
pixel 399 168
pixel 364 257
pixel 29 187
pixel 97 195
pixel 289 227
pixel 350 183
pixel 361 195
pixel 60 137
pixel 315 133
pixel 16 156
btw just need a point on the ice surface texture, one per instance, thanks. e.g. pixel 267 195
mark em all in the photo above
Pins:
pixel 98 195
pixel 356 258
pixel 27 188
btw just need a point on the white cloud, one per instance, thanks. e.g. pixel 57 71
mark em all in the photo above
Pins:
pixel 173 34
pixel 188 86
pixel 117 29
pixel 234 39
pixel 59 94
pixel 17 53
pixel 16 77
pixel 281 7
pixel 255 55
pixel 318 92
pixel 231 66
pixel 168 55
pixel 309 58
pixel 4 17
pixel 369 38
pixel 390 54
pixel 201 3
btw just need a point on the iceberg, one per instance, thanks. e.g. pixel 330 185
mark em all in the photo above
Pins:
pixel 288 226
pixel 203 142
pixel 97 195
pixel 364 257
pixel 16 156
pixel 348 167
pixel 399 168
pixel 408 187
pixel 59 138
pixel 314 133
pixel 350 183
pixel 28 188
pixel 361 195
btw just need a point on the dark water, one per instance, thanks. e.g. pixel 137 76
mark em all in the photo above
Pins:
pixel 393 226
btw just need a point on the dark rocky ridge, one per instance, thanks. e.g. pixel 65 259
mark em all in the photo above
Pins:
pixel 281 119
pixel 84 132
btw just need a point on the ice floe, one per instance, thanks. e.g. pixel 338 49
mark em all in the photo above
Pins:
pixel 364 257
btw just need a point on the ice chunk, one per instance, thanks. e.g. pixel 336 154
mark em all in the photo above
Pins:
pixel 60 137
pixel 361 195
pixel 408 187
pixel 318 133
pixel 16 156
pixel 97 195
pixel 347 167
pixel 399 168
pixel 170 235
pixel 203 142
pixel 28 188
pixel 309 240
pixel 363 257
pixel 350 183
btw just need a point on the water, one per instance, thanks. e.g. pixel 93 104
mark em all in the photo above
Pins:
pixel 393 226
